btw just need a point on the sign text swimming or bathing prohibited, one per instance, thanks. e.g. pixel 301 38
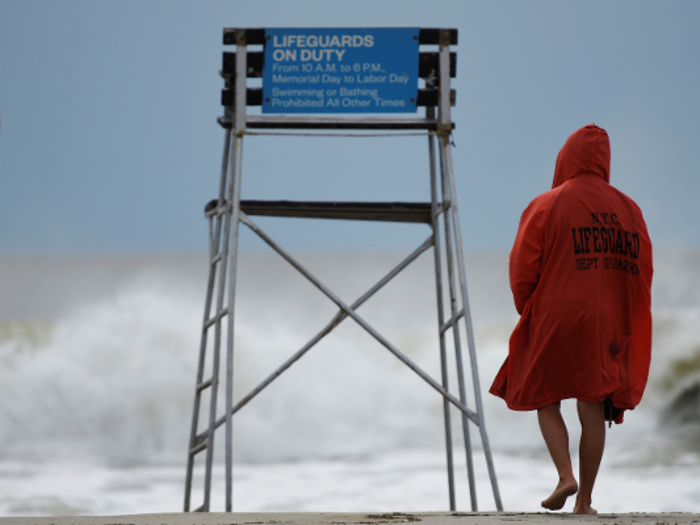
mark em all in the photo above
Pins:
pixel 373 70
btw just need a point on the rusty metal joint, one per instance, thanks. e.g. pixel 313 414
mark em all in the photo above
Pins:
pixel 444 38
pixel 240 37
pixel 444 130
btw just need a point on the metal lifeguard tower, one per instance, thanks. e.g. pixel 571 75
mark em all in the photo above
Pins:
pixel 228 211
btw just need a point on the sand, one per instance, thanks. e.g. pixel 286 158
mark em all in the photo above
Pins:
pixel 331 518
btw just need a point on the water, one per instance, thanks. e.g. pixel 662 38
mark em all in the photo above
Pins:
pixel 99 355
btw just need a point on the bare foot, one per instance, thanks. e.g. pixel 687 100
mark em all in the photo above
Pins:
pixel 565 488
pixel 580 508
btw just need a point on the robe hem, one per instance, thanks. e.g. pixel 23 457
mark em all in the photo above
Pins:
pixel 556 399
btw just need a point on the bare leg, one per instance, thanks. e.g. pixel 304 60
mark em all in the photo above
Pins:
pixel 557 439
pixel 592 417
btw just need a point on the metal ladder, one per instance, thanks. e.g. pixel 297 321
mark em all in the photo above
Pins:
pixel 225 213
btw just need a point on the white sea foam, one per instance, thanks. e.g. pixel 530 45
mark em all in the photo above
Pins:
pixel 104 374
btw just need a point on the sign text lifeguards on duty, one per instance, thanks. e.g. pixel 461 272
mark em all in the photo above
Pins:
pixel 340 70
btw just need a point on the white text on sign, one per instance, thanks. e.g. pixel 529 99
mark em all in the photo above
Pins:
pixel 340 70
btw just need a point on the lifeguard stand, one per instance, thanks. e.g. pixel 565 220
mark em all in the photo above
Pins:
pixel 226 213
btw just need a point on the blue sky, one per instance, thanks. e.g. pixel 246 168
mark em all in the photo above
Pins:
pixel 109 140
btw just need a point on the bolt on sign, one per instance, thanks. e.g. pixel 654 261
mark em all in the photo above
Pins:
pixel 340 70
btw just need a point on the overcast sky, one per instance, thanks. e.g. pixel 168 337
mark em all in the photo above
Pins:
pixel 109 140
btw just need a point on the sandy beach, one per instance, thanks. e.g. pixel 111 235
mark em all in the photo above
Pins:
pixel 331 518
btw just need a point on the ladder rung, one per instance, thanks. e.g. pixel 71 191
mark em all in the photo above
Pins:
pixel 217 258
pixel 201 438
pixel 197 449
pixel 449 324
pixel 214 319
pixel 204 385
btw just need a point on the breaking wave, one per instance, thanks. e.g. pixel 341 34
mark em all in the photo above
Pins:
pixel 111 375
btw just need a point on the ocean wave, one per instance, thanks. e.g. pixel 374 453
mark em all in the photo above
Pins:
pixel 113 378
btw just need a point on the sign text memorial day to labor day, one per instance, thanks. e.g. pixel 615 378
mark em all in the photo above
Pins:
pixel 372 70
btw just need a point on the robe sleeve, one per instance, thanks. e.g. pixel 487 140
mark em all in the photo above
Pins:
pixel 634 368
pixel 526 256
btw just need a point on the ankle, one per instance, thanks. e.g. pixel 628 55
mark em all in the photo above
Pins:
pixel 583 500
pixel 568 479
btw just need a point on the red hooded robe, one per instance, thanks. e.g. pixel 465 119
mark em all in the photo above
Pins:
pixel 580 273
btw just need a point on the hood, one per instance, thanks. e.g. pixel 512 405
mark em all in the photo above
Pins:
pixel 586 152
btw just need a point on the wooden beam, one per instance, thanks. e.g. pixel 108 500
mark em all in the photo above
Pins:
pixel 254 97
pixel 417 212
pixel 428 63
pixel 256 36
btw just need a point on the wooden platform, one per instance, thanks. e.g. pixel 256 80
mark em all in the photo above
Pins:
pixel 418 212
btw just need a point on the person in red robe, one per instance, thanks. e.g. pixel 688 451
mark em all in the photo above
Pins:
pixel 580 273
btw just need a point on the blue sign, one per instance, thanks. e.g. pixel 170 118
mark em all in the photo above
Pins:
pixel 372 70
